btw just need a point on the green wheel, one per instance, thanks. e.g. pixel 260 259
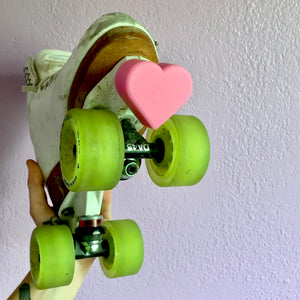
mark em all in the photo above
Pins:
pixel 91 150
pixel 186 152
pixel 126 249
pixel 52 256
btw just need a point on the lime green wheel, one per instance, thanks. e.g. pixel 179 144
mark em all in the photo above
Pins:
pixel 52 256
pixel 126 249
pixel 186 152
pixel 91 150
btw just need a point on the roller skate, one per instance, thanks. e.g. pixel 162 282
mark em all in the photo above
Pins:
pixel 87 111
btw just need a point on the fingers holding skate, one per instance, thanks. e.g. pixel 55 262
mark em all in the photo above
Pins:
pixel 40 211
pixel 106 205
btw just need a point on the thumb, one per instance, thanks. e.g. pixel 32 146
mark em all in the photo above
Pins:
pixel 40 211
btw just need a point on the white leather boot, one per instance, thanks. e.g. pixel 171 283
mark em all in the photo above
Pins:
pixel 58 80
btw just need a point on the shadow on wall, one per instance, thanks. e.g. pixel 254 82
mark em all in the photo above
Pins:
pixel 13 119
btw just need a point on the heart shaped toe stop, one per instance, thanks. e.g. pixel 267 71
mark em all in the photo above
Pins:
pixel 154 92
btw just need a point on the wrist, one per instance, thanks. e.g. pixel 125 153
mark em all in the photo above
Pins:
pixel 82 267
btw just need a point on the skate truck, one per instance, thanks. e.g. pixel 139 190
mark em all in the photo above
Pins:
pixel 87 112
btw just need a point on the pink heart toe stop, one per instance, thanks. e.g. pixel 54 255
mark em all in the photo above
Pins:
pixel 154 92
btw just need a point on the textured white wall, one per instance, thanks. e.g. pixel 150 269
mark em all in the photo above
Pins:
pixel 236 234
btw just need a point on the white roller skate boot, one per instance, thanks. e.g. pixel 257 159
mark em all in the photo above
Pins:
pixel 85 110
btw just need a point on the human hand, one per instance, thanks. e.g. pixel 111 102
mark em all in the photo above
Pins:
pixel 40 211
